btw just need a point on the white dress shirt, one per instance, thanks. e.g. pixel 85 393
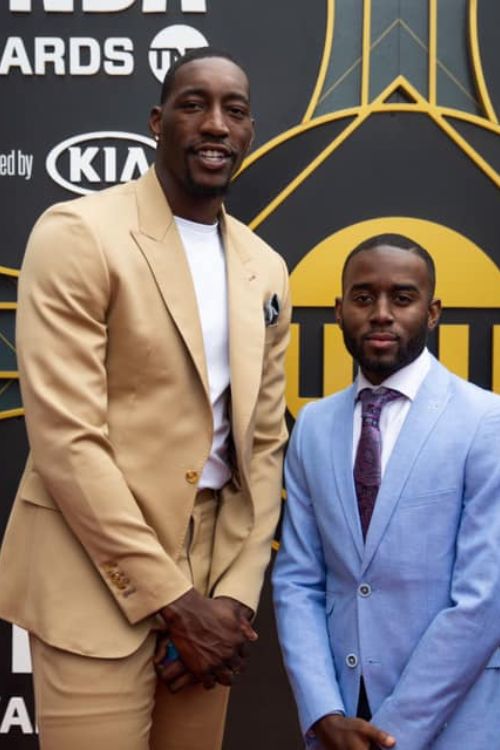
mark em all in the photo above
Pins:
pixel 407 381
pixel 207 262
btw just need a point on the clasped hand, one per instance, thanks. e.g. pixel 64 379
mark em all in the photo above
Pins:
pixel 210 636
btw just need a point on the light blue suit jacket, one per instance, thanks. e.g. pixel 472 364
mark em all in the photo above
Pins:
pixel 415 610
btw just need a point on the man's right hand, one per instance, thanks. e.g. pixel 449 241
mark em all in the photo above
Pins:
pixel 209 635
pixel 342 733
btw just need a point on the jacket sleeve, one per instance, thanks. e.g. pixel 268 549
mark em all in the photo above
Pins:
pixel 458 643
pixel 243 579
pixel 299 580
pixel 64 295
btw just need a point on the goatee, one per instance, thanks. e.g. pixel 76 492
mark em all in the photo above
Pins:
pixel 207 191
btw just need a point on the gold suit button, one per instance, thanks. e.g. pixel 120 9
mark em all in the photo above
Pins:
pixel 192 477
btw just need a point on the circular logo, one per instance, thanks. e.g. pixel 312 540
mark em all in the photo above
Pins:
pixel 171 43
pixel 90 161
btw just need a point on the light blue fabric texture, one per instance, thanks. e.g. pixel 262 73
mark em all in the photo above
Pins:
pixel 415 610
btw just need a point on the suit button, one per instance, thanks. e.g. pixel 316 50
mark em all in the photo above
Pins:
pixel 364 589
pixel 351 660
pixel 192 477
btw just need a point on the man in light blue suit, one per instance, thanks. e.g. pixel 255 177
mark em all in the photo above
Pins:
pixel 389 620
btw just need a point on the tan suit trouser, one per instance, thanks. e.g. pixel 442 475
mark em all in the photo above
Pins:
pixel 85 703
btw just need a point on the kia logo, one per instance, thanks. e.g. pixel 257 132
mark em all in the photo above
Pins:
pixel 90 161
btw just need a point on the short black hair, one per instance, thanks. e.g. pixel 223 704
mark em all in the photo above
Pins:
pixel 401 242
pixel 200 53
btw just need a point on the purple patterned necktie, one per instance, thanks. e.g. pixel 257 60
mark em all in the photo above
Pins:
pixel 367 471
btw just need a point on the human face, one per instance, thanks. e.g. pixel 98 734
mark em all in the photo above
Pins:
pixel 386 310
pixel 204 131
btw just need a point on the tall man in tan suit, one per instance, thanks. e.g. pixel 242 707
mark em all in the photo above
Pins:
pixel 151 334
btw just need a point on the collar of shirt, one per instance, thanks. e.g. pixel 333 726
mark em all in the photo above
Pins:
pixel 196 226
pixel 407 380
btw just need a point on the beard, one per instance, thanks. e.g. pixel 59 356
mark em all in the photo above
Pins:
pixel 386 364
pixel 207 191
pixel 201 190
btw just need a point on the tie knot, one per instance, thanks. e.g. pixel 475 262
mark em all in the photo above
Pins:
pixel 373 401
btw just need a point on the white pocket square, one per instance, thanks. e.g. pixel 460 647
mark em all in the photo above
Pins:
pixel 272 310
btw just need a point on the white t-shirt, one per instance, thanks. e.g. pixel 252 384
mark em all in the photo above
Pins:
pixel 206 259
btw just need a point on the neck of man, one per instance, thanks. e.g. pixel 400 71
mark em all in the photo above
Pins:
pixel 203 209
pixel 377 378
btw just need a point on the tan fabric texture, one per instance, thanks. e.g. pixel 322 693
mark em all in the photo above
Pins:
pixel 114 383
pixel 103 704
pixel 116 703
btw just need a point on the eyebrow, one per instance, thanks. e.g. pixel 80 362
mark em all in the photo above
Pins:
pixel 200 91
pixel 396 287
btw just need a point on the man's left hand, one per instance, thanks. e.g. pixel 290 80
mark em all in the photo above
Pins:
pixel 173 672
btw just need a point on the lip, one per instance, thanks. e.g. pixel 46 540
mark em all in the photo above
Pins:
pixel 212 157
pixel 380 337
pixel 381 341
pixel 218 147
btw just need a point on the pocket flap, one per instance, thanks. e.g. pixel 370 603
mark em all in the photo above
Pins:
pixel 494 662
pixel 32 490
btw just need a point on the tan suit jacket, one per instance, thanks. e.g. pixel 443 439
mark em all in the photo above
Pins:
pixel 114 382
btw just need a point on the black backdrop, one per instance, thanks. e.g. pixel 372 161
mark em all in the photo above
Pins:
pixel 76 88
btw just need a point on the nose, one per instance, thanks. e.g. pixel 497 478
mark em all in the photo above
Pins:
pixel 214 122
pixel 382 313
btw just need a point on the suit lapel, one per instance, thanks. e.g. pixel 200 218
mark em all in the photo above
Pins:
pixel 246 345
pixel 341 455
pixel 160 243
pixel 428 406
pixel 246 332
